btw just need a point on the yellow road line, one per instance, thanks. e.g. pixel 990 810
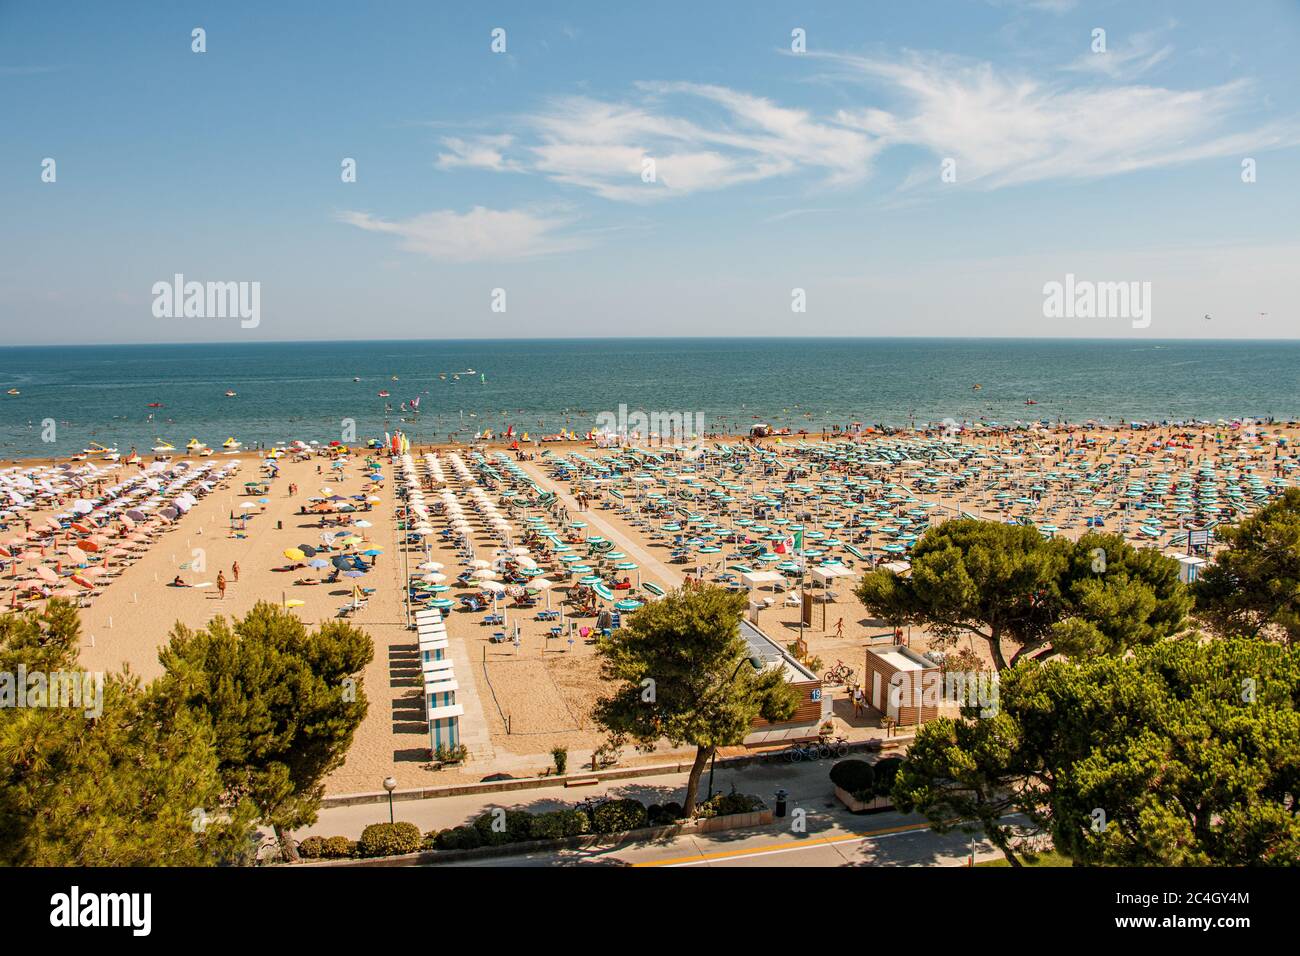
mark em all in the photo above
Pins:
pixel 788 845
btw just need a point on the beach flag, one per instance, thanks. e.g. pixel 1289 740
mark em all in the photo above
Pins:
pixel 793 544
pixel 785 546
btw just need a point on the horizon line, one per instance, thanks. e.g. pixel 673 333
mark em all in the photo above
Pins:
pixel 652 338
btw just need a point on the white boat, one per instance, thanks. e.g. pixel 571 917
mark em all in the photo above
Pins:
pixel 230 444
pixel 231 393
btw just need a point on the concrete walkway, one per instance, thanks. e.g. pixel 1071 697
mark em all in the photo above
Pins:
pixel 669 575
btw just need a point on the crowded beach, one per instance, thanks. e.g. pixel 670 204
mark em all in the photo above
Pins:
pixel 485 573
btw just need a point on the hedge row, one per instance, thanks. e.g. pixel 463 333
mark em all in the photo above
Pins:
pixel 866 781
pixel 500 827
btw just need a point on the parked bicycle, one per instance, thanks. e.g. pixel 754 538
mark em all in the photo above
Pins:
pixel 800 752
pixel 829 747
pixel 841 673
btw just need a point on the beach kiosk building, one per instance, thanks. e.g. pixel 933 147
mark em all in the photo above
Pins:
pixel 440 685
pixel 901 684
pixel 814 705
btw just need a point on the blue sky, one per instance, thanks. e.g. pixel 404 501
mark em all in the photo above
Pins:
pixel 774 170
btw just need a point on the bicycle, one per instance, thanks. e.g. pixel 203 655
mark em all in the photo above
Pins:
pixel 841 673
pixel 836 747
pixel 800 752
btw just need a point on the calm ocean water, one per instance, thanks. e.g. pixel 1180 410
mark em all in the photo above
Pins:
pixel 304 390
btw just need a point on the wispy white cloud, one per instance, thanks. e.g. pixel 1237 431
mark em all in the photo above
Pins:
pixel 1045 6
pixel 475 236
pixel 477 152
pixel 1006 128
pixel 1125 59
pixel 1090 118
pixel 643 151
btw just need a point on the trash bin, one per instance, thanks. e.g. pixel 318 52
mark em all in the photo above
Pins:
pixel 279 526
pixel 780 803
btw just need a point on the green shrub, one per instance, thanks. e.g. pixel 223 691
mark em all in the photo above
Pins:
pixel 460 838
pixel 451 754
pixel 311 847
pixel 548 826
pixel 856 776
pixel 389 839
pixel 726 804
pixel 671 811
pixel 886 771
pixel 338 848
pixel 517 827
pixel 575 822
pixel 615 816
pixel 561 757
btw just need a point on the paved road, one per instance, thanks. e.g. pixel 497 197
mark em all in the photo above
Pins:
pixel 878 840
pixel 817 831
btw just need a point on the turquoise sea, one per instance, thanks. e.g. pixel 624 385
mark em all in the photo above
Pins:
pixel 305 390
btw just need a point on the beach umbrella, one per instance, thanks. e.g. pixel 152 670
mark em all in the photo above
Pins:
pixel 318 563
pixel 293 554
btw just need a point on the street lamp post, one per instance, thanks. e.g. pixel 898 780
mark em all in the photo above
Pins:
pixel 390 784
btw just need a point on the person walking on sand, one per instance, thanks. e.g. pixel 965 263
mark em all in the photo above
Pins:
pixel 234 570
pixel 221 584
pixel 839 628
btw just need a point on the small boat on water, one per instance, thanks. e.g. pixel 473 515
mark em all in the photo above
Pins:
pixel 164 446
pixel 154 405
pixel 1030 401
pixel 976 387
pixel 231 393
pixel 106 454
pixel 230 444
pixel 356 378
pixel 13 391
pixel 385 393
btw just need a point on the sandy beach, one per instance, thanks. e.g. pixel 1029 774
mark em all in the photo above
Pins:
pixel 523 700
